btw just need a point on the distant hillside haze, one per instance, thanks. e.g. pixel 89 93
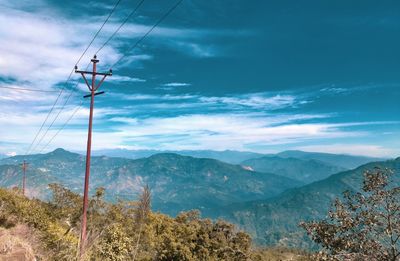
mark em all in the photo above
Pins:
pixel 340 160
pixel 229 156
pixel 275 221
pixel 304 170
pixel 178 182
pixel 238 157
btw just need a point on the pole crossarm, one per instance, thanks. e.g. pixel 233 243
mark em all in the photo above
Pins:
pixel 93 74
pixel 101 81
pixel 95 94
pixel 86 81
pixel 88 72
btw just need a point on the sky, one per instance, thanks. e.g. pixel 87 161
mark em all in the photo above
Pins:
pixel 262 76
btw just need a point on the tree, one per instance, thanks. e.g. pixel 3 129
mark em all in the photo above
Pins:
pixel 141 215
pixel 123 231
pixel 363 225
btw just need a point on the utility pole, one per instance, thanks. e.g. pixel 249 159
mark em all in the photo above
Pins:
pixel 93 87
pixel 24 167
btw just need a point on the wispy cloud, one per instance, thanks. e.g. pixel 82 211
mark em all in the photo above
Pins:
pixel 255 100
pixel 334 90
pixel 196 49
pixel 153 97
pixel 176 84
pixel 47 48
pixel 120 78
pixel 223 131
pixel 40 44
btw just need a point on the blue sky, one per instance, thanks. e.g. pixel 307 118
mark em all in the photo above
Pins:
pixel 260 76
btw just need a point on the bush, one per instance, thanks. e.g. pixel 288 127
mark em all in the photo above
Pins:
pixel 363 226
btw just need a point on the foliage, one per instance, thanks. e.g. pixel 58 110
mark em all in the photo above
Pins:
pixel 114 244
pixel 54 234
pixel 363 226
pixel 123 231
pixel 188 237
pixel 279 253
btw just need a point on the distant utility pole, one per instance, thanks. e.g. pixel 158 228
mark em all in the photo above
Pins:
pixel 93 87
pixel 24 167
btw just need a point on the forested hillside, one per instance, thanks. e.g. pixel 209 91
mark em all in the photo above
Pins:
pixel 303 170
pixel 179 182
pixel 123 231
pixel 275 221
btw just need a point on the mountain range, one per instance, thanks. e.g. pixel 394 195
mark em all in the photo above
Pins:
pixel 229 156
pixel 267 195
pixel 340 160
pixel 275 221
pixel 178 182
pixel 304 170
pixel 237 157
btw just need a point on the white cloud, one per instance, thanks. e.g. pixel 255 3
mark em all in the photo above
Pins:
pixel 221 131
pixel 334 90
pixel 176 84
pixel 39 46
pixel 251 100
pixel 11 154
pixel 119 78
pixel 139 96
pixel 256 100
pixel 196 49
pixel 124 120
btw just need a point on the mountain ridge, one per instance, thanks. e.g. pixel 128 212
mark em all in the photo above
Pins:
pixel 275 221
pixel 236 157
pixel 342 160
pixel 304 170
pixel 174 179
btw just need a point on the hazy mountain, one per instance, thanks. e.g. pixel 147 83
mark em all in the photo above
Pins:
pixel 125 153
pixel 340 160
pixel 177 182
pixel 229 156
pixel 237 157
pixel 304 170
pixel 275 221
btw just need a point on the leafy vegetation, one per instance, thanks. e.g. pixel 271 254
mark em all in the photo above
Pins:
pixel 125 230
pixel 364 225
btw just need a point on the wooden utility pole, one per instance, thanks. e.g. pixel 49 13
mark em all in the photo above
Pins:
pixel 24 167
pixel 93 87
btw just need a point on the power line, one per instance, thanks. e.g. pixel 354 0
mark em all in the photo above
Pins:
pixel 119 28
pixel 52 123
pixel 62 127
pixel 149 31
pixel 69 77
pixel 104 44
pixel 97 33
pixel 47 117
pixel 25 89
pixel 58 114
